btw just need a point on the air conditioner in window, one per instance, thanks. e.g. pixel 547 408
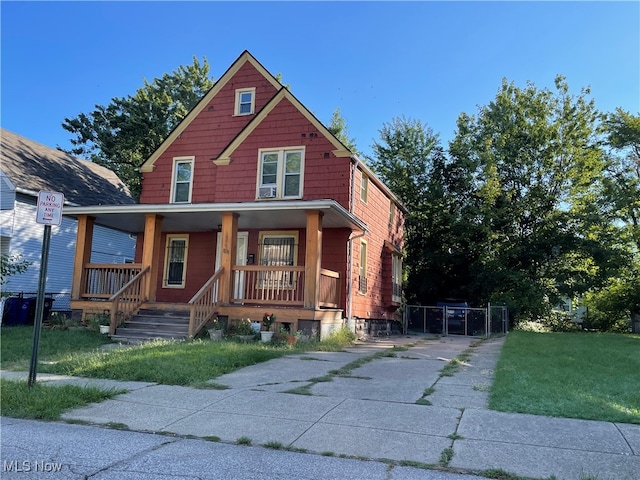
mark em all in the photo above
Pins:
pixel 267 192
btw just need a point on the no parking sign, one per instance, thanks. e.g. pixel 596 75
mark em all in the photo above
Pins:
pixel 49 208
pixel 49 212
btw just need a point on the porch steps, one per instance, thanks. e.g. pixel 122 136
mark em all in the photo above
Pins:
pixel 154 323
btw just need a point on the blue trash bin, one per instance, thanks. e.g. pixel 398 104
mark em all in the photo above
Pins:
pixel 27 311
pixel 12 310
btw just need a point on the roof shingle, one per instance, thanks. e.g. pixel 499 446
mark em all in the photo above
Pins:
pixel 34 167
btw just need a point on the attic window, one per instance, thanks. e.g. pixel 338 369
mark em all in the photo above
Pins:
pixel 245 101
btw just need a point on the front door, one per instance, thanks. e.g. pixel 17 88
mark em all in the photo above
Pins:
pixel 241 259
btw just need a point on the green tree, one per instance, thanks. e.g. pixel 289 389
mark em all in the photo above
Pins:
pixel 531 157
pixel 124 133
pixel 339 128
pixel 409 159
pixel 11 265
pixel 622 178
pixel 612 306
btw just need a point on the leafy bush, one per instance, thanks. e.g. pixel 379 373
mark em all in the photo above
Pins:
pixel 553 321
pixel 337 340
pixel 607 322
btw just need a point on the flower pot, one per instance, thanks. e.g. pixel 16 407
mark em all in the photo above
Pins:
pixel 266 336
pixel 255 326
pixel 104 329
pixel 292 339
pixel 215 333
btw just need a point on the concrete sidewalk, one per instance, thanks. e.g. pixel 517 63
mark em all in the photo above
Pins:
pixel 371 412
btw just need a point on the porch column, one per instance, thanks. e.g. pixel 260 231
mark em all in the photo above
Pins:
pixel 84 239
pixel 313 258
pixel 151 252
pixel 228 251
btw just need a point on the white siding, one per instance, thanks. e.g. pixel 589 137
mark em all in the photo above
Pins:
pixel 7 192
pixel 109 246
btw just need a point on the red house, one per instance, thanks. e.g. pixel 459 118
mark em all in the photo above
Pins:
pixel 250 205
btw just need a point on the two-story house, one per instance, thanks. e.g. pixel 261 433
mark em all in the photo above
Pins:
pixel 27 167
pixel 251 205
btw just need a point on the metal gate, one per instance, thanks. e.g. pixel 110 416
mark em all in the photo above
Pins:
pixel 446 320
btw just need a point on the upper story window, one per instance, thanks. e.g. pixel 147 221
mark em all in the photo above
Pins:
pixel 245 101
pixel 364 188
pixel 280 173
pixel 182 182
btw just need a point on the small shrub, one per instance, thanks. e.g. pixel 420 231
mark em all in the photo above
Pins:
pixel 554 321
pixel 343 336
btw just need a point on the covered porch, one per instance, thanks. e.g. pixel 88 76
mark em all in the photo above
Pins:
pixel 293 292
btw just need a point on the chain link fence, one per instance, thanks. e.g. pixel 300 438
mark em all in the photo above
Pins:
pixel 446 320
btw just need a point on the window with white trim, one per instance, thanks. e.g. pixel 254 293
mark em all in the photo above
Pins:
pixel 280 173
pixel 364 188
pixel 245 101
pixel 278 249
pixel 396 278
pixel 181 185
pixel 175 261
pixel 362 274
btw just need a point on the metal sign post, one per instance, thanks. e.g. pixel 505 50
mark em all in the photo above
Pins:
pixel 49 213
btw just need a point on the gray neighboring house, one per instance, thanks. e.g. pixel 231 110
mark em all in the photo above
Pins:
pixel 27 167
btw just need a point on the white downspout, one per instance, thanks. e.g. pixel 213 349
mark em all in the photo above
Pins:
pixel 350 323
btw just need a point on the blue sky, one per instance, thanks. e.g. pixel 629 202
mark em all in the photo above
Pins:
pixel 375 60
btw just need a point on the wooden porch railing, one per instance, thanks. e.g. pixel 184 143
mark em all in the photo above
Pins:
pixel 103 280
pixel 127 300
pixel 268 285
pixel 329 288
pixel 281 285
pixel 203 304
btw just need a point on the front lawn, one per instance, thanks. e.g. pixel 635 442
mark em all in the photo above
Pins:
pixel 594 376
pixel 76 353
pixel 47 402
pixel 16 344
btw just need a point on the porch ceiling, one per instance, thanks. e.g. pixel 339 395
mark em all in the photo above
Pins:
pixel 201 217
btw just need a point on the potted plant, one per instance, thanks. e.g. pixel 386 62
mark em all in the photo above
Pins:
pixel 215 330
pixel 267 321
pixel 243 330
pixel 104 322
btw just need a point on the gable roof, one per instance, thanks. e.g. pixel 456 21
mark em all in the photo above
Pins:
pixel 340 149
pixel 245 57
pixel 32 167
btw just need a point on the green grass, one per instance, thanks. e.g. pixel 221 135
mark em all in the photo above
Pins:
pixel 592 376
pixel 46 402
pixel 76 353
pixel 166 362
pixel 17 342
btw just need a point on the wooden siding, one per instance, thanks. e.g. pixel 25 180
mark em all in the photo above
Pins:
pixel 375 303
pixel 201 259
pixel 325 177
pixel 205 138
